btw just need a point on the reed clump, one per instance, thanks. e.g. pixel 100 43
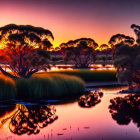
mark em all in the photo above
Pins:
pixel 7 90
pixel 54 86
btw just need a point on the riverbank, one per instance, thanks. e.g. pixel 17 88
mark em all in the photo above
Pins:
pixel 107 83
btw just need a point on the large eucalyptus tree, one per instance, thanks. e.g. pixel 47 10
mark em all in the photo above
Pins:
pixel 23 48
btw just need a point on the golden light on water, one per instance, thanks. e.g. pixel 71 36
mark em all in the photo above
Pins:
pixel 96 119
pixel 7 116
pixel 101 67
pixel 58 69
pixel 93 67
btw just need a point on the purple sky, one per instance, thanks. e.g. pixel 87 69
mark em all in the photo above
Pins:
pixel 72 19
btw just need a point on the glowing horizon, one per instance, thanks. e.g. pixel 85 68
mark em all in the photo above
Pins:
pixel 70 20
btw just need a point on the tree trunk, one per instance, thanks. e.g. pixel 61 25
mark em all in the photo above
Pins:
pixel 8 74
pixel 31 73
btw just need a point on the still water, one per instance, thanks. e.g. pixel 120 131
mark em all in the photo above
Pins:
pixel 70 121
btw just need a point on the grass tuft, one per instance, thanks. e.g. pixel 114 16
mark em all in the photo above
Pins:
pixel 7 90
pixel 55 86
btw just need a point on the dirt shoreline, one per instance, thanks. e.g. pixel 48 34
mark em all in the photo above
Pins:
pixel 108 83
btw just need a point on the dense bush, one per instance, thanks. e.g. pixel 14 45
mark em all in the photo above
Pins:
pixel 49 87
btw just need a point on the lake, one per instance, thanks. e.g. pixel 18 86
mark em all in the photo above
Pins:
pixel 69 121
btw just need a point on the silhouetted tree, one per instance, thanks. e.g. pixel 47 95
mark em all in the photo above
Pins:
pixel 127 62
pixel 136 29
pixel 24 49
pixel 125 109
pixel 120 39
pixel 80 52
pixel 104 49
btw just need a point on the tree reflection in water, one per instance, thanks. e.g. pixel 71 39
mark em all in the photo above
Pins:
pixel 125 109
pixel 29 119
pixel 6 110
pixel 90 99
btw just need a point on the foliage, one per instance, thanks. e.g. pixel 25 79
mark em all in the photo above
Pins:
pixel 49 87
pixel 56 58
pixel 24 49
pixel 126 56
pixel 42 86
pixel 104 49
pixel 7 90
pixel 128 64
pixel 120 39
pixel 136 29
pixel 80 52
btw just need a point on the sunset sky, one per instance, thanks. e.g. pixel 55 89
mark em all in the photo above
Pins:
pixel 72 19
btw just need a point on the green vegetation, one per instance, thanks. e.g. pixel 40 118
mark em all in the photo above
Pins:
pixel 55 86
pixel 126 55
pixel 127 62
pixel 49 87
pixel 7 90
pixel 90 76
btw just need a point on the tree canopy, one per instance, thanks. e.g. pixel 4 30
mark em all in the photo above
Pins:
pixel 127 62
pixel 24 49
pixel 120 39
pixel 104 48
pixel 80 52
pixel 136 29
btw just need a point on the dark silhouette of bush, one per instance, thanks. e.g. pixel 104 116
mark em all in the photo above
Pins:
pixel 127 62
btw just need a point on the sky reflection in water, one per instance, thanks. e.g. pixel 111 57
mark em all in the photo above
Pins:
pixel 76 123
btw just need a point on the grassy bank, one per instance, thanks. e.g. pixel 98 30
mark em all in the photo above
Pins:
pixel 54 86
pixel 88 75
